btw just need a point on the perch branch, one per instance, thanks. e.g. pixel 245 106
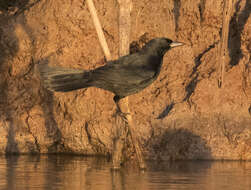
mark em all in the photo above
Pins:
pixel 125 7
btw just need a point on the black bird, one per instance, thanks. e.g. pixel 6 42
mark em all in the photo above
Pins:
pixel 125 76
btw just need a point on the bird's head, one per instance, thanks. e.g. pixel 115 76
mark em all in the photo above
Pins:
pixel 160 46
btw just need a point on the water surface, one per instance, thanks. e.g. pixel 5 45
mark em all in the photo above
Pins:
pixel 77 172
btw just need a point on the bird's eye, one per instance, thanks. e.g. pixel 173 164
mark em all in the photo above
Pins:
pixel 168 41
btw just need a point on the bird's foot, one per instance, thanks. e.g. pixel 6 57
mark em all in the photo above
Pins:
pixel 122 114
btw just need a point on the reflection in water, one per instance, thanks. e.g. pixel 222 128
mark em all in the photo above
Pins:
pixel 77 172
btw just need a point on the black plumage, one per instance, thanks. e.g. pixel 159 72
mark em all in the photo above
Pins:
pixel 125 76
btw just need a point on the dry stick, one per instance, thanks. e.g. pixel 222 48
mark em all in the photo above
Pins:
pixel 227 10
pixel 125 7
pixel 99 29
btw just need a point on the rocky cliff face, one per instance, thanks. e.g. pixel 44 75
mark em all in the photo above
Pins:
pixel 183 115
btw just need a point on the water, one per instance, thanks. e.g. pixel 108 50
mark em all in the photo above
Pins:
pixel 77 172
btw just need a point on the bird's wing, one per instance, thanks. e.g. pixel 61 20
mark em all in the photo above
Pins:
pixel 129 70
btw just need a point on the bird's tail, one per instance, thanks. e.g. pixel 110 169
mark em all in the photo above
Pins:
pixel 63 79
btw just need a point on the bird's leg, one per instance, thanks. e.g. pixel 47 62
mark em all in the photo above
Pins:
pixel 118 110
pixel 116 99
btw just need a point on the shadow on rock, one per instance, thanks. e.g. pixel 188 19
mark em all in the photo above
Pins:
pixel 15 7
pixel 236 27
pixel 52 129
pixel 176 12
pixel 19 89
pixel 44 98
pixel 166 111
pixel 177 144
pixel 9 46
pixel 47 103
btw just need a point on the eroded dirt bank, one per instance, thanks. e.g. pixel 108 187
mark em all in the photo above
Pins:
pixel 183 115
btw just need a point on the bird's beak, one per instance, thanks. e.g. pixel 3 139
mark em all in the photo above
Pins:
pixel 176 44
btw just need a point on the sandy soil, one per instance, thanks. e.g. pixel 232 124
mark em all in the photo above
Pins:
pixel 183 115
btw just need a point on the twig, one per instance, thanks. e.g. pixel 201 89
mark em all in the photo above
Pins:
pixel 99 30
